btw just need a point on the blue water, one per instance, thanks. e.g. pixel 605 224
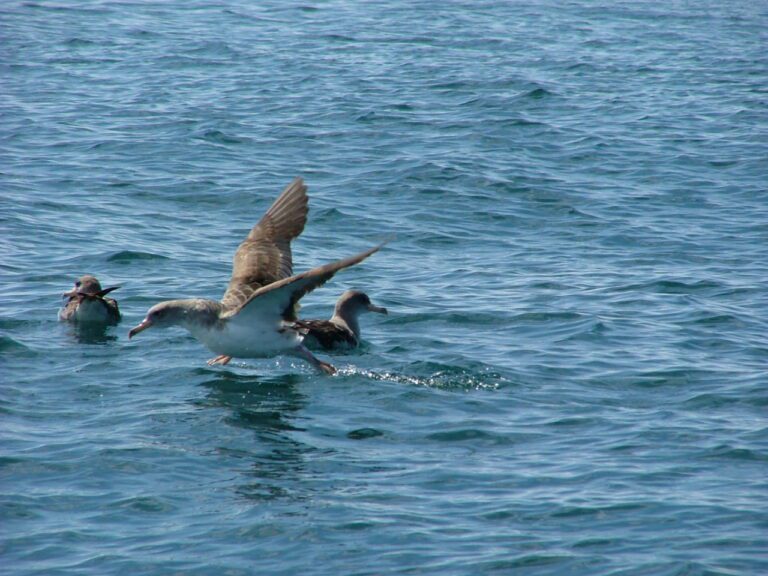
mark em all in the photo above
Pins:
pixel 573 375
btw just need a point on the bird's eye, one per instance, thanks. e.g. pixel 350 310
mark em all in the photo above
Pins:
pixel 78 283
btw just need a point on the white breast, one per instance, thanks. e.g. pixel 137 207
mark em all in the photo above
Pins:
pixel 91 311
pixel 254 340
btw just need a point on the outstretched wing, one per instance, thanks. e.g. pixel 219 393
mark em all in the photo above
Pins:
pixel 278 300
pixel 264 256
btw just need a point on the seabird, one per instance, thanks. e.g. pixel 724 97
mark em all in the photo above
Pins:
pixel 343 329
pixel 87 304
pixel 256 318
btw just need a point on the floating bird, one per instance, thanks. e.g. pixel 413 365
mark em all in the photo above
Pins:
pixel 256 318
pixel 87 304
pixel 343 329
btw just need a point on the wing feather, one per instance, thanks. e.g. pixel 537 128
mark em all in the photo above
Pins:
pixel 264 257
pixel 278 300
pixel 326 334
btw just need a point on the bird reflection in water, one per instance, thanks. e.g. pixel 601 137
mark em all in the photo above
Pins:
pixel 268 406
pixel 91 333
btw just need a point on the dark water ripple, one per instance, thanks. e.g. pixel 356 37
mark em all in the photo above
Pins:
pixel 572 376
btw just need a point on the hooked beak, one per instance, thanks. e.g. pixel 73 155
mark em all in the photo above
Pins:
pixel 140 328
pixel 378 309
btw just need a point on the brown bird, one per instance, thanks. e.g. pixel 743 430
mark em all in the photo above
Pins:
pixel 86 303
pixel 343 329
pixel 256 318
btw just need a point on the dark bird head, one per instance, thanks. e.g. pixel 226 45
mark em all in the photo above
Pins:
pixel 88 286
pixel 354 302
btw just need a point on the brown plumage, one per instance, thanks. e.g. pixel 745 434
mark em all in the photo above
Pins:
pixel 343 329
pixel 265 256
pixel 289 291
pixel 327 335
pixel 87 303
pixel 256 316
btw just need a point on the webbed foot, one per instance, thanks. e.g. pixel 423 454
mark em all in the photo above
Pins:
pixel 316 362
pixel 326 368
pixel 223 360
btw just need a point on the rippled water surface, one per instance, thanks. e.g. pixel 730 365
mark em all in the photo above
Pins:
pixel 572 378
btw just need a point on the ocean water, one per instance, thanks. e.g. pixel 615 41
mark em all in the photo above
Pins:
pixel 573 375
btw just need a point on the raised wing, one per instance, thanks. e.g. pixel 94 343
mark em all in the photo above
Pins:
pixel 264 256
pixel 278 299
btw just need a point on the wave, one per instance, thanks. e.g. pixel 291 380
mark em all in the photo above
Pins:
pixel 128 256
pixel 8 344
pixel 436 375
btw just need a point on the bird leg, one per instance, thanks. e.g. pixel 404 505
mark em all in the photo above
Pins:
pixel 223 359
pixel 316 362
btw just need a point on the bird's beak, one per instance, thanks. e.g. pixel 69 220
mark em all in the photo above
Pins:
pixel 379 309
pixel 140 328
pixel 106 291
